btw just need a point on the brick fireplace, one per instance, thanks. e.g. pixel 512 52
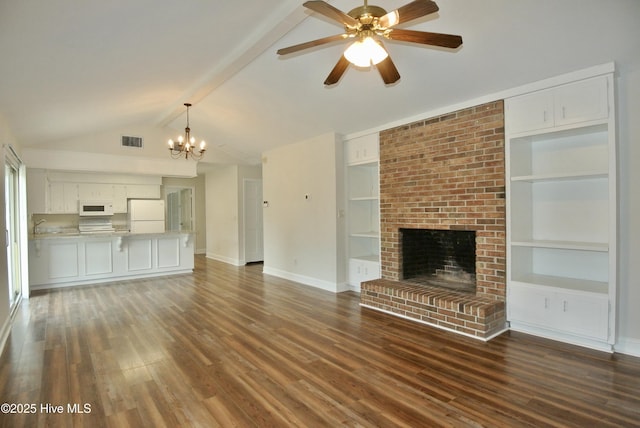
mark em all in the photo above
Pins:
pixel 444 173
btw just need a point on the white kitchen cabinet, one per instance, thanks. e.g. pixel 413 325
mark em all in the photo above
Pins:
pixel 143 191
pixel 363 223
pixel 98 257
pixel 119 198
pixel 582 101
pixel 95 191
pixel 54 192
pixel 63 198
pixel 63 261
pixel 561 213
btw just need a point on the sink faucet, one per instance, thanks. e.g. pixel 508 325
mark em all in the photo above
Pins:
pixel 37 223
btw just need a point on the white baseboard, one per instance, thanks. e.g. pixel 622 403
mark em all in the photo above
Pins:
pixel 628 346
pixel 598 345
pixel 306 280
pixel 224 259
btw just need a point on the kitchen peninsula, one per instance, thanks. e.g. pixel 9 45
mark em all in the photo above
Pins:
pixel 68 259
pixel 95 228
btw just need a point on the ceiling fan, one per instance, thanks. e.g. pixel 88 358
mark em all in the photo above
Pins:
pixel 368 25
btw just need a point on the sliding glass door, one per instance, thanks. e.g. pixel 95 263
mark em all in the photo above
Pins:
pixel 12 215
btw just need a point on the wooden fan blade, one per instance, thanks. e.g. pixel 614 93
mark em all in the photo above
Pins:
pixel 388 71
pixel 408 12
pixel 311 44
pixel 337 71
pixel 331 12
pixel 426 38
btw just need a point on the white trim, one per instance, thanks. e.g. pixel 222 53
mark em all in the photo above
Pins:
pixel 586 73
pixel 561 337
pixel 128 277
pixel 628 346
pixel 225 259
pixel 483 339
pixel 305 280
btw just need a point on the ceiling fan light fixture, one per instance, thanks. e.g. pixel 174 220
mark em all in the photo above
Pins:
pixel 365 52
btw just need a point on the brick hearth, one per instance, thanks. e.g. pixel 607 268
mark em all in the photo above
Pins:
pixel 446 173
pixel 476 316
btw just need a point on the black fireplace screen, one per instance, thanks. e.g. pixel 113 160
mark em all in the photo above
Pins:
pixel 444 258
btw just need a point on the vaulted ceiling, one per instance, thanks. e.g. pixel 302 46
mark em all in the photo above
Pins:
pixel 72 68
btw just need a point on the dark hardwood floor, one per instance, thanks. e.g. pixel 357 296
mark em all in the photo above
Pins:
pixel 229 346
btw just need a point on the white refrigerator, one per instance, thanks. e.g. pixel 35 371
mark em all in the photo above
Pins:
pixel 146 215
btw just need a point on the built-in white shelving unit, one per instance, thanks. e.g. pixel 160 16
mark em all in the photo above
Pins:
pixel 363 209
pixel 561 212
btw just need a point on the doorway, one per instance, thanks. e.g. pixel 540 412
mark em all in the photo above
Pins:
pixel 180 209
pixel 252 215
pixel 12 186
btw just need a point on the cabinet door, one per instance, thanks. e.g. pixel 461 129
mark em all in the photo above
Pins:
pixel 530 112
pixel 96 191
pixel 363 149
pixel 70 198
pixel 119 198
pixel 583 314
pixel 56 198
pixel 362 270
pixel 581 101
pixel 531 305
pixel 63 198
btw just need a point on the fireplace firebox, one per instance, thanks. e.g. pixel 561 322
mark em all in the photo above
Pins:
pixel 440 258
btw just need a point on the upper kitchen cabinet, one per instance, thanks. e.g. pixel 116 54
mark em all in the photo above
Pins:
pixel 63 198
pixel 55 192
pixel 578 102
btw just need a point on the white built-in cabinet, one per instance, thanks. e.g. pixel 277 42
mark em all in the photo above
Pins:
pixel 59 193
pixel 363 191
pixel 561 212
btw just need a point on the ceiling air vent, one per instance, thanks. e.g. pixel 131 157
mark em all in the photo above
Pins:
pixel 131 141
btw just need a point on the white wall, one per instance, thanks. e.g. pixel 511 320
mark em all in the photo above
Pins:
pixel 303 236
pixel 154 143
pixel 222 214
pixel 628 113
pixel 224 205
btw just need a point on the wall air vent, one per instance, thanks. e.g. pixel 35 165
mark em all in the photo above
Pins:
pixel 131 141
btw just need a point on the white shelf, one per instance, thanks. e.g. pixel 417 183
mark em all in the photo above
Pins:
pixel 561 176
pixel 564 283
pixel 370 234
pixel 563 245
pixel 364 198
pixel 374 258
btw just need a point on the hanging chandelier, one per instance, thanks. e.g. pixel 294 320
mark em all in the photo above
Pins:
pixel 186 146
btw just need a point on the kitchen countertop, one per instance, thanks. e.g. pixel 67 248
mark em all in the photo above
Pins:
pixel 116 233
